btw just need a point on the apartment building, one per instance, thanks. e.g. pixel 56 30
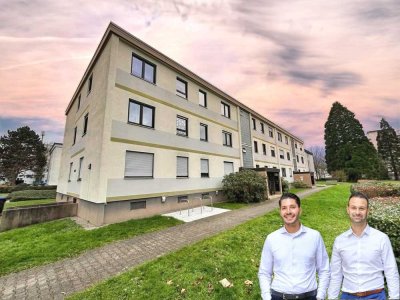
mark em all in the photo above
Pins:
pixel 144 134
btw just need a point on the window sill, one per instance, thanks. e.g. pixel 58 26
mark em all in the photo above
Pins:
pixel 153 83
pixel 79 179
pixel 204 140
pixel 140 125
pixel 181 96
pixel 84 134
pixel 182 135
pixel 69 180
pixel 182 177
pixel 138 177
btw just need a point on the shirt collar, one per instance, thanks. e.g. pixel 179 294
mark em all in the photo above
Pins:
pixel 366 231
pixel 301 230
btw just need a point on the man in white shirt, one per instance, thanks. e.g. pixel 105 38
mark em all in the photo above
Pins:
pixel 360 256
pixel 292 255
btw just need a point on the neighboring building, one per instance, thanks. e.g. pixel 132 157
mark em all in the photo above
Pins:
pixel 372 136
pixel 143 134
pixel 53 163
pixel 310 161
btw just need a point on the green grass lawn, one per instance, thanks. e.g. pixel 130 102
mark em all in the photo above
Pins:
pixel 234 255
pixel 28 203
pixel 35 245
pixel 230 205
pixel 298 190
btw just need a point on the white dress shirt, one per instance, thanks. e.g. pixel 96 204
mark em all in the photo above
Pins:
pixel 360 261
pixel 294 259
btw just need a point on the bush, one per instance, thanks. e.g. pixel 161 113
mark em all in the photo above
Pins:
pixel 386 218
pixel 23 186
pixel 244 186
pixel 31 195
pixel 374 189
pixel 299 185
pixel 339 175
pixel 285 185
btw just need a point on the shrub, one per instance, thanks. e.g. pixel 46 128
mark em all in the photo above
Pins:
pixel 339 175
pixel 299 185
pixel 31 195
pixel 285 185
pixel 23 186
pixel 244 186
pixel 386 218
pixel 374 189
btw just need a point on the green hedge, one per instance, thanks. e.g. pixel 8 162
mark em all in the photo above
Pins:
pixel 386 218
pixel 299 185
pixel 244 186
pixel 24 187
pixel 31 195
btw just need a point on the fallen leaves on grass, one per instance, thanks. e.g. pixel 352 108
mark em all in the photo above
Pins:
pixel 225 283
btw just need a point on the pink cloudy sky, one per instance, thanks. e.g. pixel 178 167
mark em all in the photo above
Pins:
pixel 288 60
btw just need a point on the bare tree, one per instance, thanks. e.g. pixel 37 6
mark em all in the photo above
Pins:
pixel 319 160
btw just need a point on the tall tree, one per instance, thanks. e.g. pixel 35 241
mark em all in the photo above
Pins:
pixel 347 148
pixel 319 160
pixel 389 147
pixel 21 150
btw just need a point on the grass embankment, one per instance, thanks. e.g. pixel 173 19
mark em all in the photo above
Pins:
pixel 35 245
pixel 298 190
pixel 28 203
pixel 234 255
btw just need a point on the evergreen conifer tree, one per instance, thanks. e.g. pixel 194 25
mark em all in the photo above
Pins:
pixel 389 147
pixel 347 148
pixel 21 150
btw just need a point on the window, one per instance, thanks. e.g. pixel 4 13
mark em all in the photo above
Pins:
pixel 181 126
pixel 302 160
pixel 70 171
pixel 182 199
pixel 226 139
pixel 85 124
pixel 228 167
pixel 202 98
pixel 255 146
pixel 141 114
pixel 257 166
pixel 297 158
pixel 139 164
pixel 225 110
pixel 79 102
pixel 272 151
pixel 143 69
pixel 281 154
pixel 301 149
pixel 181 87
pixel 254 124
pixel 286 140
pixel 295 145
pixel 203 132
pixel 288 155
pixel 270 132
pixel 290 172
pixel 138 205
pixel 279 136
pixel 90 84
pixel 75 131
pixel 204 167
pixel 283 172
pixel 182 167
pixel 80 169
pixel 262 127
pixel 264 149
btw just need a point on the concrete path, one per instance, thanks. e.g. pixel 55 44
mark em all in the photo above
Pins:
pixel 60 279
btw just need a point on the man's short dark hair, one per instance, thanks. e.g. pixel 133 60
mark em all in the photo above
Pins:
pixel 289 196
pixel 358 195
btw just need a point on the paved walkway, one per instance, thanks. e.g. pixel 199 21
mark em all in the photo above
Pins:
pixel 60 279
